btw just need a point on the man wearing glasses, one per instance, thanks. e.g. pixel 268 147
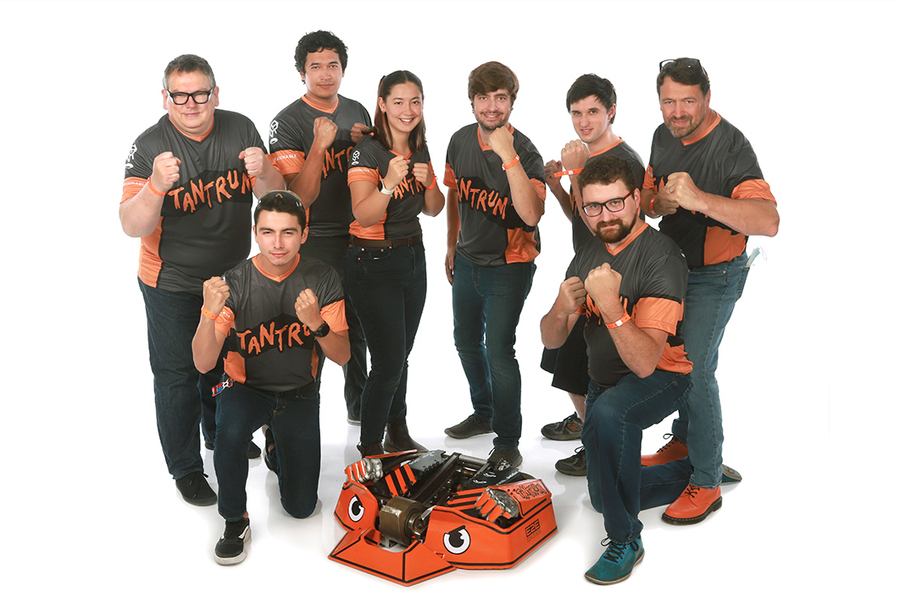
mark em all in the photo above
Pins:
pixel 188 190
pixel 703 179
pixel 629 281
pixel 591 101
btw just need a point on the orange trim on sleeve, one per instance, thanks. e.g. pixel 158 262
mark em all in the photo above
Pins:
pixel 753 188
pixel 288 162
pixel 363 174
pixel 131 187
pixel 540 188
pixel 649 182
pixel 334 315
pixel 658 313
pixel 450 178
pixel 225 321
pixel 675 360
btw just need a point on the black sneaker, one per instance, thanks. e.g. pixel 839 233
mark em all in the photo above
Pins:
pixel 575 465
pixel 230 547
pixel 564 431
pixel 501 459
pixel 472 426
pixel 195 490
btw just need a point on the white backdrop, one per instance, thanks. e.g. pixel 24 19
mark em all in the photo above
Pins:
pixel 88 503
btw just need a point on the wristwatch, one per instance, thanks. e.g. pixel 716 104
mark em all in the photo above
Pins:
pixel 322 331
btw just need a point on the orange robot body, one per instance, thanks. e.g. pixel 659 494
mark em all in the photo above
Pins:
pixel 413 517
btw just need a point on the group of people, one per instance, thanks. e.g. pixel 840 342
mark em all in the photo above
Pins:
pixel 238 344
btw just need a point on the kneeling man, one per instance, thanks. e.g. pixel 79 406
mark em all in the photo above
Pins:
pixel 279 314
pixel 629 281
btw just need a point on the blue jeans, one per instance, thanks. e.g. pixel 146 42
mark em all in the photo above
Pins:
pixel 183 395
pixel 614 420
pixel 332 250
pixel 387 286
pixel 294 420
pixel 487 302
pixel 712 292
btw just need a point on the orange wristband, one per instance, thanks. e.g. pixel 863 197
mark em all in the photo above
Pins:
pixel 153 189
pixel 208 314
pixel 433 183
pixel 622 320
pixel 511 163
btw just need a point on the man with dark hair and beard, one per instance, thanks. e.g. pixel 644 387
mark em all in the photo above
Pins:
pixel 629 281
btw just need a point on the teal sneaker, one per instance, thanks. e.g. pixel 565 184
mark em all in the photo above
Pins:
pixel 729 475
pixel 616 563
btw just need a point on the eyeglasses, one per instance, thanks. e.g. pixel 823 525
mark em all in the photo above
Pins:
pixel 594 209
pixel 690 63
pixel 180 98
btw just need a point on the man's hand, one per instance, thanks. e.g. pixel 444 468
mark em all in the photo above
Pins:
pixel 574 155
pixel 571 295
pixel 253 160
pixel 550 169
pixel 423 174
pixel 602 284
pixel 307 307
pixel 501 142
pixel 397 170
pixel 681 189
pixel 449 263
pixel 215 293
pixel 165 172
pixel 324 132
pixel 358 131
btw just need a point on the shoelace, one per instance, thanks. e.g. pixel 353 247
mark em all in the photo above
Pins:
pixel 671 441
pixel 691 490
pixel 614 550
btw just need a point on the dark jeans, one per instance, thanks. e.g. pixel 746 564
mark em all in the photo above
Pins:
pixel 294 421
pixel 387 286
pixel 183 395
pixel 487 302
pixel 614 420
pixel 712 293
pixel 333 252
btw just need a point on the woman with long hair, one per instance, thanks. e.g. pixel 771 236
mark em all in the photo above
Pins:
pixel 391 182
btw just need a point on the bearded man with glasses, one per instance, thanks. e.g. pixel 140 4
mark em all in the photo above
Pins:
pixel 188 190
pixel 629 281
pixel 704 180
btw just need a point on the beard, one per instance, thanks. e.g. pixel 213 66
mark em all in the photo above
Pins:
pixel 491 127
pixel 616 234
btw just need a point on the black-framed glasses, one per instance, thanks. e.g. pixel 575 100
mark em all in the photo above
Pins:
pixel 594 209
pixel 690 63
pixel 179 98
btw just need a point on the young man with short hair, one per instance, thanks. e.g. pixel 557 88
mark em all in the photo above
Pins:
pixel 281 314
pixel 494 202
pixel 311 140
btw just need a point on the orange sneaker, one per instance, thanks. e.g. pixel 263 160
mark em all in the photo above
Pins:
pixel 674 450
pixel 693 505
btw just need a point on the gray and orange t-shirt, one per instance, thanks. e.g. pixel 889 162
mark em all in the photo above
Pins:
pixel 369 161
pixel 268 348
pixel 291 135
pixel 205 224
pixel 491 231
pixel 721 162
pixel 654 281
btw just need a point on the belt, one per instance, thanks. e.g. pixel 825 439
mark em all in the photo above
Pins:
pixel 227 382
pixel 410 241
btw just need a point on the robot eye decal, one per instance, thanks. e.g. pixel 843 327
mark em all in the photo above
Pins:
pixel 457 541
pixel 355 510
